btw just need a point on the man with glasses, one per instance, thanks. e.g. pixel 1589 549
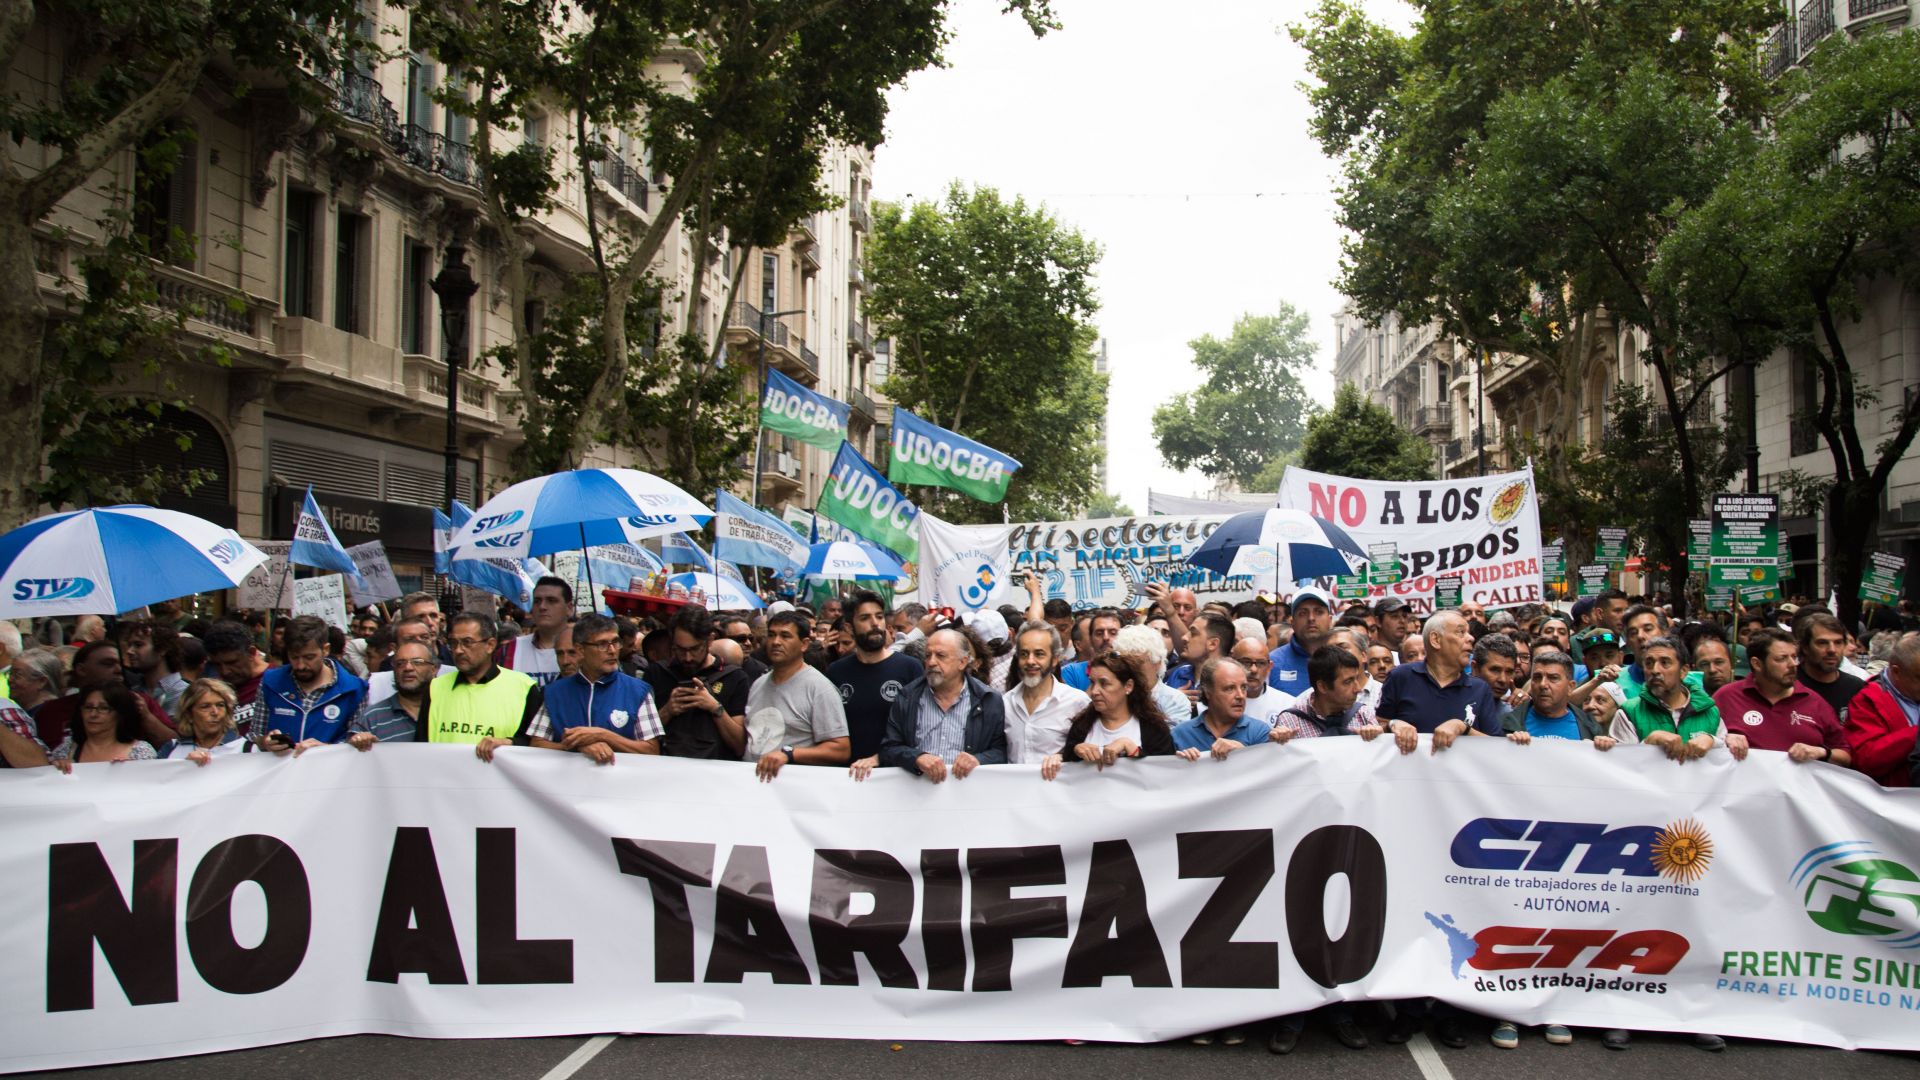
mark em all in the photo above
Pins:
pixel 411 630
pixel 739 630
pixel 1263 701
pixel 535 653
pixel 702 702
pixel 481 704
pixel 599 710
pixel 397 717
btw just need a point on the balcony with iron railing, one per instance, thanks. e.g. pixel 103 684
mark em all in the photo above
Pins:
pixel 862 219
pixel 1432 417
pixel 809 358
pixel 862 404
pixel 856 277
pixel 359 98
pixel 624 178
pixel 745 316
pixel 1816 22
pixel 857 335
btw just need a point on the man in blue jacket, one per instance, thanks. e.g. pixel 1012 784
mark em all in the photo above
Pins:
pixel 311 699
pixel 599 710
pixel 946 719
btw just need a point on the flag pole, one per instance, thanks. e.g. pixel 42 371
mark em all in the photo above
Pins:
pixel 593 605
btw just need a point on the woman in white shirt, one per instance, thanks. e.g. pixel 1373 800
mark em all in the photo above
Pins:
pixel 1120 720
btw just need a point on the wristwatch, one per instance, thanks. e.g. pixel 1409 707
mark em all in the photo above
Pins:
pixel 788 750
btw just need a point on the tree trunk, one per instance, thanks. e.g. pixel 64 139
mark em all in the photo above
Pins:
pixel 23 327
pixel 1853 528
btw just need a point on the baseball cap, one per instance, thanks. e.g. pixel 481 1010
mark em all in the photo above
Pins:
pixel 1581 608
pixel 778 606
pixel 1387 605
pixel 1597 637
pixel 1787 609
pixel 1312 594
pixel 990 625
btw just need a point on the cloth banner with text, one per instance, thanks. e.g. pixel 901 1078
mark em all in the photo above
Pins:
pixel 965 567
pixel 1485 529
pixel 799 413
pixel 926 453
pixel 160 909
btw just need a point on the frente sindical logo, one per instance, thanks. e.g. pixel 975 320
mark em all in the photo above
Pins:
pixel 1850 887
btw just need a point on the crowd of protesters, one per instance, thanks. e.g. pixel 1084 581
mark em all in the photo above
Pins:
pixel 859 685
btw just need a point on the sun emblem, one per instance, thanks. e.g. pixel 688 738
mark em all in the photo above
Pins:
pixel 1682 850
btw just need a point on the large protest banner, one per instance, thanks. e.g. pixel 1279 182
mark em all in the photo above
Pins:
pixel 162 909
pixel 1486 529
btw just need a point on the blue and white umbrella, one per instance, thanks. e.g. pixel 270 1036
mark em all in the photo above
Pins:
pixel 722 595
pixel 572 510
pixel 112 559
pixel 1290 545
pixel 851 560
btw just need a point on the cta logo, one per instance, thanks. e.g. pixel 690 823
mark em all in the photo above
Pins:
pixel 42 590
pixel 498 521
pixel 225 552
pixel 1851 888
pixel 1512 948
pixel 1680 851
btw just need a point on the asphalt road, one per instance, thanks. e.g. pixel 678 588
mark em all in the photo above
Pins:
pixel 725 1058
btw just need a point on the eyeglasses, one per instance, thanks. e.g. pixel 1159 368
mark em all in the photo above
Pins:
pixel 743 639
pixel 467 643
pixel 610 643
pixel 96 707
pixel 1262 662
pixel 415 663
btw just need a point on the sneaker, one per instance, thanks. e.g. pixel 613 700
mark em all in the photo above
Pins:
pixel 1559 1034
pixel 1234 1037
pixel 1617 1039
pixel 1350 1035
pixel 1282 1041
pixel 1712 1044
pixel 1205 1039
pixel 1452 1032
pixel 1506 1036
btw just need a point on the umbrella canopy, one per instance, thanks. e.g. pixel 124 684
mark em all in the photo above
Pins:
pixel 111 559
pixel 571 510
pixel 852 560
pixel 723 595
pixel 1297 544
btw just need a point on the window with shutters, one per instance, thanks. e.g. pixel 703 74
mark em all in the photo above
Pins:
pixel 769 283
pixel 350 272
pixel 416 297
pixel 166 176
pixel 178 447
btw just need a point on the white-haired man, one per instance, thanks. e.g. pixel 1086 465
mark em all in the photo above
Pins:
pixel 1145 647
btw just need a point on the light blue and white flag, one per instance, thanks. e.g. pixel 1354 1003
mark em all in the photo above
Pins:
pixel 315 545
pixel 678 549
pixel 510 578
pixel 752 537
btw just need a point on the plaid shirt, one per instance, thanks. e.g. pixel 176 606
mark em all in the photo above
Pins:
pixel 1305 723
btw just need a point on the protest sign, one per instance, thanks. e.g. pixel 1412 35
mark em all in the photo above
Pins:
pixel 924 453
pixel 1553 565
pixel 1593 579
pixel 1699 545
pixel 795 411
pixel 376 572
pixel 1485 529
pixel 324 596
pixel 1745 549
pixel 1611 547
pixel 966 567
pixel 344 892
pixel 1383 564
pixel 1446 592
pixel 268 586
pixel 1885 579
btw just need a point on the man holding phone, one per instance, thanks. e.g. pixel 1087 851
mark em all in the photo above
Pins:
pixel 702 702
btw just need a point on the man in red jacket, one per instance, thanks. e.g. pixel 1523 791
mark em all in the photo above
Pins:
pixel 1881 722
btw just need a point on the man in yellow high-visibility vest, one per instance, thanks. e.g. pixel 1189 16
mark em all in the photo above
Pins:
pixel 480 702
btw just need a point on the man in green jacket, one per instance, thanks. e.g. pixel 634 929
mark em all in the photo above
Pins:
pixel 1668 712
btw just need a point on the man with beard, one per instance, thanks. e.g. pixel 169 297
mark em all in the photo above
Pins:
pixel 871 676
pixel 1822 641
pixel 1312 619
pixel 1777 711
pixel 946 721
pixel 397 719
pixel 314 698
pixel 1041 709
pixel 793 713
pixel 702 702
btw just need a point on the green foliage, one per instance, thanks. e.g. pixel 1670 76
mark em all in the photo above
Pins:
pixel 1252 405
pixel 989 305
pixel 1360 439
pixel 1106 505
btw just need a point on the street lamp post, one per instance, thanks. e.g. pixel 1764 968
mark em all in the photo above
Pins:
pixel 454 286
pixel 760 433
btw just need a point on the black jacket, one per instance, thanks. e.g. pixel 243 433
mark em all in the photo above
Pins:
pixel 986 735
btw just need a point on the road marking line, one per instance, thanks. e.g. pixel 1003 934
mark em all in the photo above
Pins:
pixel 1427 1058
pixel 577 1060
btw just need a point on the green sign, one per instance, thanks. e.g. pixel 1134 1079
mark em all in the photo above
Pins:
pixel 1719 599
pixel 1885 579
pixel 1699 545
pixel 1612 548
pixel 1786 560
pixel 1553 562
pixel 1383 564
pixel 1758 594
pixel 1745 552
pixel 1593 578
pixel 1446 592
pixel 1350 587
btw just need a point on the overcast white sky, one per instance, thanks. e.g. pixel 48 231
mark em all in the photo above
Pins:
pixel 1176 137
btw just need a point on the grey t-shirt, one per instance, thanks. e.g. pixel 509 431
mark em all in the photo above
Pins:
pixel 803 711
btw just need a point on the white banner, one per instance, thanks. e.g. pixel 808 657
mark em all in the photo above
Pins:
pixel 376 570
pixel 158 909
pixel 325 596
pixel 965 566
pixel 1485 529
pixel 268 585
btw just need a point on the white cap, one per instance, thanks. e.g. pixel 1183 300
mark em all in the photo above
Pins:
pixel 778 606
pixel 989 624
pixel 1311 594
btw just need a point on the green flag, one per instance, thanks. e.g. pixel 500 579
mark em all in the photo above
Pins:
pixel 793 410
pixel 926 454
pixel 858 497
